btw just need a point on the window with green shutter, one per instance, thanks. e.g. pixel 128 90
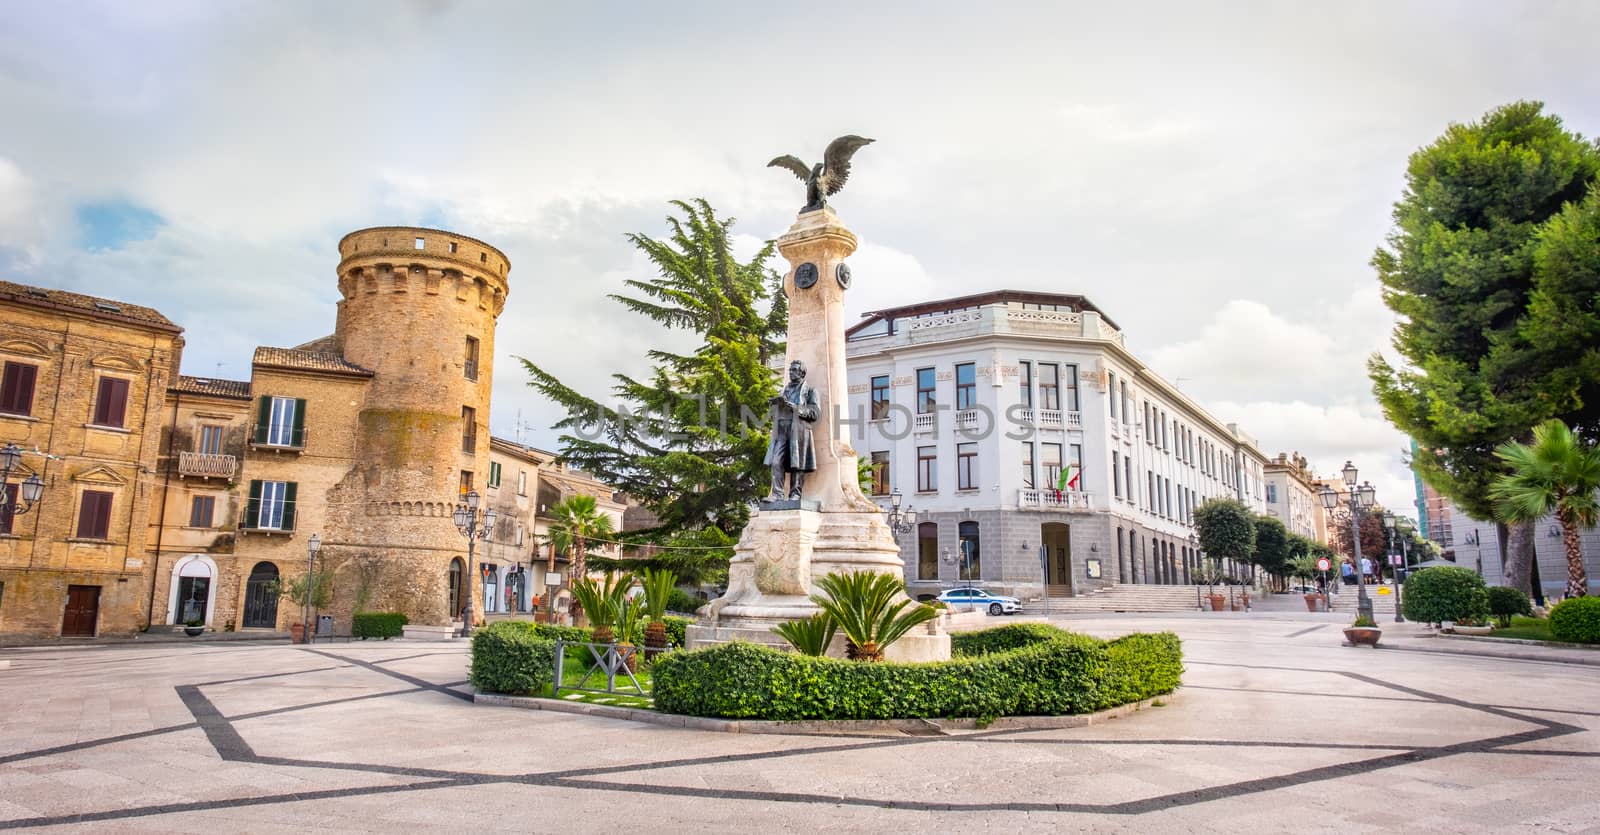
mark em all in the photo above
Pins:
pixel 494 474
pixel 281 421
pixel 271 506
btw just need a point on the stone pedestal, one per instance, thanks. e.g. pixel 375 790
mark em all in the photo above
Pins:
pixel 786 548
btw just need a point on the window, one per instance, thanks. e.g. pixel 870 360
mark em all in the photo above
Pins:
pixel 16 388
pixel 272 505
pixel 928 551
pixel 1150 503
pixel 466 482
pixel 1127 417
pixel 1027 465
pixel 469 366
pixel 1051 458
pixel 1077 467
pixel 1112 388
pixel 925 391
pixel 1071 383
pixel 469 430
pixel 1116 475
pixel 968 532
pixel 927 469
pixel 1165 439
pixel 880 397
pixel 522 482
pixel 1049 386
pixel 1169 498
pixel 111 402
pixel 1127 475
pixel 94 515
pixel 201 511
pixel 1272 494
pixel 966 386
pixel 1025 385
pixel 494 474
pixel 880 474
pixel 452 247
pixel 420 243
pixel 210 440
pixel 967 466
pixel 1149 428
pixel 281 421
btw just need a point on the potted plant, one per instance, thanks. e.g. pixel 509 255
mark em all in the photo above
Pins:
pixel 658 588
pixel 601 601
pixel 630 614
pixel 871 609
pixel 194 626
pixel 1364 631
pixel 315 588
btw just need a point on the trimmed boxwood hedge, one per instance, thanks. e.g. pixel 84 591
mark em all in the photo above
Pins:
pixel 384 625
pixel 1445 593
pixel 1019 670
pixel 1576 619
pixel 512 657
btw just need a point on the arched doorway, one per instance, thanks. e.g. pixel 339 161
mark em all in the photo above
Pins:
pixel 453 581
pixel 260 604
pixel 1055 538
pixel 189 598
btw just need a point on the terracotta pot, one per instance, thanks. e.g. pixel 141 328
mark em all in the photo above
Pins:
pixel 1218 602
pixel 297 633
pixel 1359 635
pixel 1313 602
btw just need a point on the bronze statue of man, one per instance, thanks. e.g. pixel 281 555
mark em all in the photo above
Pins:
pixel 792 452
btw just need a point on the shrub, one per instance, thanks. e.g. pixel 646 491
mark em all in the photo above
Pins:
pixel 679 600
pixel 1505 601
pixel 677 630
pixel 510 657
pixel 1002 638
pixel 384 625
pixel 1059 673
pixel 863 605
pixel 809 636
pixel 553 632
pixel 1445 593
pixel 1576 619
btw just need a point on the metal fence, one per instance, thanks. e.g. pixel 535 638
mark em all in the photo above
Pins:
pixel 613 662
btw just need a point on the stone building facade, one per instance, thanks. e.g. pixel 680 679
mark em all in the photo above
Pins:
pixel 82 396
pixel 1291 496
pixel 973 409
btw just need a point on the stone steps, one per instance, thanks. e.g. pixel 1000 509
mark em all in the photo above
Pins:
pixel 1121 598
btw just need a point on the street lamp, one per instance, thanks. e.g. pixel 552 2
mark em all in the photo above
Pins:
pixel 1400 528
pixel 312 547
pixel 962 571
pixel 900 522
pixel 1362 498
pixel 31 488
pixel 474 526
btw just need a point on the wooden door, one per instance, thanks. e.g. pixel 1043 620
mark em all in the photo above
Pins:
pixel 83 609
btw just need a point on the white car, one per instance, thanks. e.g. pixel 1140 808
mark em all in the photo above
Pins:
pixel 979 599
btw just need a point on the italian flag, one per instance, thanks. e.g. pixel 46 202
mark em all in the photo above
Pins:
pixel 1069 478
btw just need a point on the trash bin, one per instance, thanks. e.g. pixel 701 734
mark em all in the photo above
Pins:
pixel 324 626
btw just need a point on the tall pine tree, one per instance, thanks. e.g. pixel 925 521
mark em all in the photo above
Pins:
pixel 688 441
pixel 1459 268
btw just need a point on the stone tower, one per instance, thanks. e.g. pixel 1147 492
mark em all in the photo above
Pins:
pixel 418 308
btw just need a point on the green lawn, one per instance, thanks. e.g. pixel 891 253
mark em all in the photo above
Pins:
pixel 577 663
pixel 1526 629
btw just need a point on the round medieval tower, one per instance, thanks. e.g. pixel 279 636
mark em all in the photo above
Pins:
pixel 418 309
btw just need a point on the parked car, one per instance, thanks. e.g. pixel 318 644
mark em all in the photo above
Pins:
pixel 980 599
pixel 1304 590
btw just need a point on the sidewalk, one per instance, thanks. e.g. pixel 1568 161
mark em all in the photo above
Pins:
pixel 141 639
pixel 1420 640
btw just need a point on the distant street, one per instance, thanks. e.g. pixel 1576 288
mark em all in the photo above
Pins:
pixel 1278 727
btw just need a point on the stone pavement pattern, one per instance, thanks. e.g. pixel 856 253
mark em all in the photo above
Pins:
pixel 1278 727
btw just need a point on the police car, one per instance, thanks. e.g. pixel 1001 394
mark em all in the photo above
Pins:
pixel 980 599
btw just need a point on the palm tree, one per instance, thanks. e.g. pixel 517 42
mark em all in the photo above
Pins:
pixel 862 604
pixel 1556 474
pixel 575 522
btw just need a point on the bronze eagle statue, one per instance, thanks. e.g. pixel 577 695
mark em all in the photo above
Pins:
pixel 827 177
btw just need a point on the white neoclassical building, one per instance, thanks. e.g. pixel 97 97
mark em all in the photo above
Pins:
pixel 973 408
pixel 1292 496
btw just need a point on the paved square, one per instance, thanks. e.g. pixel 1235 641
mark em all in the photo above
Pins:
pixel 1277 727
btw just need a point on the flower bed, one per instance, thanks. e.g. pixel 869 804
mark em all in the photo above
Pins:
pixel 1026 669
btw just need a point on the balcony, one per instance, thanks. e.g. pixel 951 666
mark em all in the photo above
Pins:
pixel 1053 500
pixel 206 465
pixel 925 422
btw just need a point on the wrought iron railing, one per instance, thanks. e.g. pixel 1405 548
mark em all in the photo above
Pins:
pixel 207 465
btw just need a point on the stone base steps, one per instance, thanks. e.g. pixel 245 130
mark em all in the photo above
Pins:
pixel 1121 598
pixel 1347 599
pixel 413 632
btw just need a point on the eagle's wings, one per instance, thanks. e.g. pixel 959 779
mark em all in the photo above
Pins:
pixel 793 163
pixel 836 161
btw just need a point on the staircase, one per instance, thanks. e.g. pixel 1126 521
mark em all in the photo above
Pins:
pixel 1119 598
pixel 1346 599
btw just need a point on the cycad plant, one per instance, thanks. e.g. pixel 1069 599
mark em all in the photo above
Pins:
pixel 629 615
pixel 601 601
pixel 1556 474
pixel 862 604
pixel 810 636
pixel 658 586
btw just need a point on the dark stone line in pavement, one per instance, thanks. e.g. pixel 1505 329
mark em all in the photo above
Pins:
pixel 1303 693
pixel 292 708
pixel 1306 631
pixel 270 675
pixel 219 731
pixel 92 743
pixel 423 683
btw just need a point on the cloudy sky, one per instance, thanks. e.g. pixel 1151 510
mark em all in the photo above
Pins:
pixel 1215 176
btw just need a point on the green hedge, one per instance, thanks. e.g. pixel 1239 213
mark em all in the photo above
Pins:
pixel 677 630
pixel 1054 673
pixel 1001 638
pixel 1445 593
pixel 1576 619
pixel 1505 601
pixel 681 601
pixel 512 657
pixel 384 625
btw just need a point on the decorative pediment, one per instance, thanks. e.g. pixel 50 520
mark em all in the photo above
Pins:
pixel 25 347
pixel 101 475
pixel 119 362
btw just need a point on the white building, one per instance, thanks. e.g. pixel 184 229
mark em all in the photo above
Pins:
pixel 1292 496
pixel 972 407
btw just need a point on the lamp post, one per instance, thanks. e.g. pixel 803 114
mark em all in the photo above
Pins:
pixel 312 547
pixel 1362 498
pixel 1400 528
pixel 899 522
pixel 12 506
pixel 474 526
pixel 950 559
